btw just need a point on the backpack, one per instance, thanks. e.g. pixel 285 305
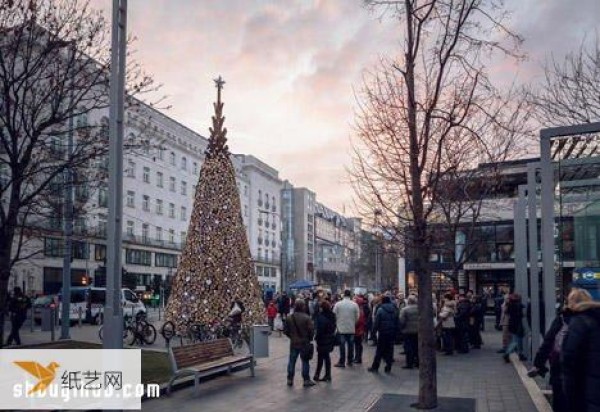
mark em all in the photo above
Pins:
pixel 558 341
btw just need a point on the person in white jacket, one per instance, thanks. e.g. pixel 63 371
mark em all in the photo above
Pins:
pixel 346 314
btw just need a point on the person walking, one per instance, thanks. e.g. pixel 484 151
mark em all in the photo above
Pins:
pixel 514 310
pixel 580 358
pixel 409 325
pixel 300 330
pixel 504 324
pixel 17 309
pixel 283 306
pixel 325 338
pixel 386 326
pixel 360 330
pixel 346 315
pixel 446 323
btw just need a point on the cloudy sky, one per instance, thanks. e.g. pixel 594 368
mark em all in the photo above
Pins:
pixel 291 65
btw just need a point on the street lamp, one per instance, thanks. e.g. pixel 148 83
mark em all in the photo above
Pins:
pixel 376 214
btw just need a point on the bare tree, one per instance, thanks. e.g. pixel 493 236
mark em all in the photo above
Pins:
pixel 54 65
pixel 570 91
pixel 421 117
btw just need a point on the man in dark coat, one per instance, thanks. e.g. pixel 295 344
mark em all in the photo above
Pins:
pixel 300 329
pixel 283 305
pixel 581 358
pixel 386 326
pixel 461 319
pixel 17 308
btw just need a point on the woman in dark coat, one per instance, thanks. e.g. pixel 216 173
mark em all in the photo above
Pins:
pixel 515 327
pixel 548 353
pixel 325 338
pixel 580 357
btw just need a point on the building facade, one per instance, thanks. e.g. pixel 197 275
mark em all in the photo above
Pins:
pixel 159 184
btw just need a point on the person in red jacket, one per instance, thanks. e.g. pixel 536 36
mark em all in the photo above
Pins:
pixel 271 314
pixel 361 327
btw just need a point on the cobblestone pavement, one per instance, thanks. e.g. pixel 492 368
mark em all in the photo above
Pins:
pixel 481 374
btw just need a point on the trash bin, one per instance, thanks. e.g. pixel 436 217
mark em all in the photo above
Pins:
pixel 46 319
pixel 260 340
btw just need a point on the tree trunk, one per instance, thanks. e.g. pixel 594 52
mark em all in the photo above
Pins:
pixel 4 277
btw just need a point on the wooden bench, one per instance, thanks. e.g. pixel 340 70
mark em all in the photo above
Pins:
pixel 205 359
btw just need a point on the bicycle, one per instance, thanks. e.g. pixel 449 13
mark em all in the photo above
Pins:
pixel 126 329
pixel 141 331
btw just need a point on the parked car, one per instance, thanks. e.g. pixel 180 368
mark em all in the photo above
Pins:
pixel 42 302
pixel 90 301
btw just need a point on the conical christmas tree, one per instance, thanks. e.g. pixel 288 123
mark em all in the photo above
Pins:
pixel 216 265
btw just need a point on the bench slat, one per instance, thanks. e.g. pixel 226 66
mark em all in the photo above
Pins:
pixel 229 360
pixel 201 352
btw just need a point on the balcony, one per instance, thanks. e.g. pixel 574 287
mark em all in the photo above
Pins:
pixel 269 261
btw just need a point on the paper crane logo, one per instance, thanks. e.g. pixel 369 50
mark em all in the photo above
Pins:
pixel 45 375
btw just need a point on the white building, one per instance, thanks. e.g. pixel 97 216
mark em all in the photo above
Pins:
pixel 261 210
pixel 158 192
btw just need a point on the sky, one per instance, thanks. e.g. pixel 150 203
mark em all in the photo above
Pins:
pixel 292 67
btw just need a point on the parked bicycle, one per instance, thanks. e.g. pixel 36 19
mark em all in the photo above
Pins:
pixel 136 330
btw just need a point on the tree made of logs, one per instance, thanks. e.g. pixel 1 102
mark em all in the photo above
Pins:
pixel 216 266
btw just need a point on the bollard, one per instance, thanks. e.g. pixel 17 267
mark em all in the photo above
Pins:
pixel 159 311
pixel 53 320
pixel 79 319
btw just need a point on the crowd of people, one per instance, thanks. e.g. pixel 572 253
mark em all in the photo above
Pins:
pixel 319 321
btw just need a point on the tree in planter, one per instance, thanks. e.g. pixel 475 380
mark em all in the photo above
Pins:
pixel 416 114
pixel 216 266
pixel 54 57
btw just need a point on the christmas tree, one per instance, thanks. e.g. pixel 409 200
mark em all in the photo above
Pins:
pixel 216 265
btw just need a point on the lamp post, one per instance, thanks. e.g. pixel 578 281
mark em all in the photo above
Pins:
pixel 376 215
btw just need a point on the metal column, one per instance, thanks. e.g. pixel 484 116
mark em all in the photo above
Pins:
pixel 547 209
pixel 113 336
pixel 534 272
pixel 520 228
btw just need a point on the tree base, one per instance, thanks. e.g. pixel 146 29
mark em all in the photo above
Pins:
pixel 396 402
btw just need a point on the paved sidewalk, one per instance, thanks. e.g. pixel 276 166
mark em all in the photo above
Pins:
pixel 481 374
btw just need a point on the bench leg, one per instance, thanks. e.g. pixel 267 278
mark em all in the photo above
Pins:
pixel 252 367
pixel 171 381
pixel 196 383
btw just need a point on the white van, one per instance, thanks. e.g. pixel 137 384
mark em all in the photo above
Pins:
pixel 90 301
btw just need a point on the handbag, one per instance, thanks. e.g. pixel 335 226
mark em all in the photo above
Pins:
pixel 308 349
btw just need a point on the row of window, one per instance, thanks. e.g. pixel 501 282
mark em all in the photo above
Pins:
pixel 54 247
pixel 267 205
pixel 159 179
pixel 266 271
pixel 183 165
pixel 159 209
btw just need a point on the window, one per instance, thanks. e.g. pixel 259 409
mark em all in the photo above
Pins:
pixel 195 168
pixel 130 198
pixel 183 163
pixel 130 226
pixel 159 179
pixel 172 210
pixel 131 168
pixel 165 260
pixel 172 158
pixel 183 236
pixel 161 153
pixel 146 175
pixel 100 252
pixel 245 190
pixel 144 232
pixel 273 206
pixel 246 210
pixel 183 188
pixel 53 247
pixel 102 197
pixel 183 213
pixel 146 203
pixel 260 202
pixel 172 184
pixel 159 207
pixel 159 234
pixel 79 250
pixel 171 235
pixel 138 257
